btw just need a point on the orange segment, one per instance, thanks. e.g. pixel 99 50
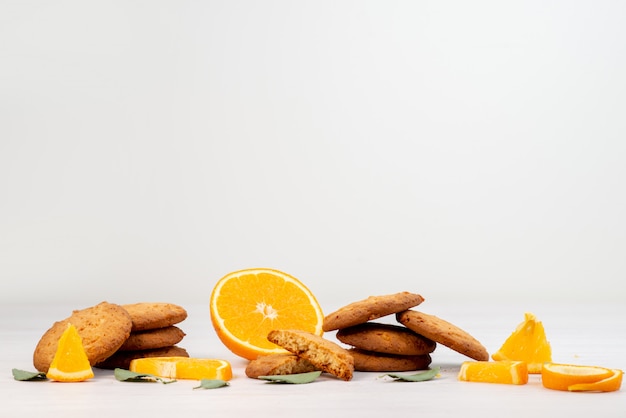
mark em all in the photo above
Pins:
pixel 70 363
pixel 183 368
pixel 247 304
pixel 563 376
pixel 527 343
pixel 507 372
pixel 610 384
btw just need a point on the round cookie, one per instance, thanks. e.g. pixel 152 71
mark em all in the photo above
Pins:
pixel 122 359
pixel 151 315
pixel 153 338
pixel 278 364
pixel 386 338
pixel 369 309
pixel 443 332
pixel 103 329
pixel 367 361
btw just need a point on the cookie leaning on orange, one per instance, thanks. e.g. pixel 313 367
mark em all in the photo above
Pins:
pixel 246 305
pixel 272 319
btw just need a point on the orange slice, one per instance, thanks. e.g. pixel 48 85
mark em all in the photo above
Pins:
pixel 507 372
pixel 610 384
pixel 247 304
pixel 70 362
pixel 527 343
pixel 579 378
pixel 183 368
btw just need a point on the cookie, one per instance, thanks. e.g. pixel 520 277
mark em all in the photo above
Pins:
pixel 147 315
pixel 373 307
pixel 153 338
pixel 368 361
pixel 103 329
pixel 443 332
pixel 122 359
pixel 278 364
pixel 324 354
pixel 386 338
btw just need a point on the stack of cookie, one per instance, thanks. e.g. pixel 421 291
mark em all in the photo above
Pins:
pixel 114 334
pixel 153 334
pixel 380 347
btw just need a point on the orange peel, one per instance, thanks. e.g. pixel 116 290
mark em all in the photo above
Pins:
pixel 577 378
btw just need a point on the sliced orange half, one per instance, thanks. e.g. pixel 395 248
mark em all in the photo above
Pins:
pixel 247 304
pixel 563 376
pixel 527 343
pixel 506 372
pixel 183 368
pixel 70 362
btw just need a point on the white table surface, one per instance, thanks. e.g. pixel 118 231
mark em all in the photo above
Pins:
pixel 580 333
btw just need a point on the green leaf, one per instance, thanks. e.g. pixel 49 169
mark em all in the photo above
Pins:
pixel 297 378
pixel 24 376
pixel 127 376
pixel 418 377
pixel 211 384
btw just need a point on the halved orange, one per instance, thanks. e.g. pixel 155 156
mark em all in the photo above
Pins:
pixel 527 343
pixel 247 304
pixel 576 377
pixel 183 367
pixel 70 362
pixel 507 372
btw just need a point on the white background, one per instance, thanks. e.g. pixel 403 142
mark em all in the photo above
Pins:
pixel 461 150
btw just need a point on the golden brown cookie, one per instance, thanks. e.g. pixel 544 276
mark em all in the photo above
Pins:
pixel 386 338
pixel 443 332
pixel 368 361
pixel 151 315
pixel 324 354
pixel 153 338
pixel 103 329
pixel 373 307
pixel 278 364
pixel 122 359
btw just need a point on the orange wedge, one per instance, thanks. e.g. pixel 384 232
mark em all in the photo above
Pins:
pixel 506 372
pixel 247 304
pixel 580 378
pixel 183 368
pixel 527 343
pixel 70 362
